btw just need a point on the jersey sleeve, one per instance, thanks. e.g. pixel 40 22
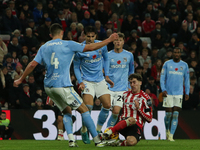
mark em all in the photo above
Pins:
pixel 146 110
pixel 131 65
pixel 187 80
pixel 106 61
pixel 76 47
pixel 163 77
pixel 77 64
pixel 38 57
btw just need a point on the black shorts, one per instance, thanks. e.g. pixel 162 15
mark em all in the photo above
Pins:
pixel 132 131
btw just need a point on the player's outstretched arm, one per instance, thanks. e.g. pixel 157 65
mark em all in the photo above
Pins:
pixel 31 66
pixel 94 46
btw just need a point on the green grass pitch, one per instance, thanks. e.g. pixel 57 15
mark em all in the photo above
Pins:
pixel 63 145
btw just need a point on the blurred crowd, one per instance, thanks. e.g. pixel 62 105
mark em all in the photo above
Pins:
pixel 152 29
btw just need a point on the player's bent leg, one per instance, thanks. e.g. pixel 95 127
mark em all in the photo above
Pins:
pixel 60 128
pixel 113 118
pixel 89 123
pixel 103 115
pixel 67 121
pixel 130 141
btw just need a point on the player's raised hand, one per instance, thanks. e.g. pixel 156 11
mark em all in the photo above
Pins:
pixel 17 83
pixel 109 81
pixel 137 104
pixel 113 37
pixel 164 94
pixel 81 86
pixel 186 97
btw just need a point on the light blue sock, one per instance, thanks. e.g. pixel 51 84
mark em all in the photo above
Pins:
pixel 84 129
pixel 67 121
pixel 89 123
pixel 103 115
pixel 90 107
pixel 112 120
pixel 174 122
pixel 167 119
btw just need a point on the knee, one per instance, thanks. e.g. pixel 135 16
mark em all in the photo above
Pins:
pixel 131 141
pixel 116 112
pixel 107 105
pixel 131 121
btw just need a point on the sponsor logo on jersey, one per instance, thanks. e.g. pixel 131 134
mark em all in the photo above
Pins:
pixel 125 59
pixel 54 43
pixel 118 66
pixel 175 72
pixel 181 68
pixel 119 61
pixel 93 60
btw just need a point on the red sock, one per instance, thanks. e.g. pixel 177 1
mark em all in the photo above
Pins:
pixel 123 143
pixel 119 126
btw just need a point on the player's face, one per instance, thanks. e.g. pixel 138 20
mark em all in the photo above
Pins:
pixel 118 43
pixel 90 37
pixel 176 54
pixel 3 116
pixel 135 85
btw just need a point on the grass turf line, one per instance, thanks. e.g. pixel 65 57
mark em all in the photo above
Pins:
pixel 63 145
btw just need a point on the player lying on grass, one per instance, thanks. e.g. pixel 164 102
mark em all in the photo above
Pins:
pixel 136 110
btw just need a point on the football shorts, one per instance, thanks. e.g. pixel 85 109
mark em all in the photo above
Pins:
pixel 116 98
pixel 173 100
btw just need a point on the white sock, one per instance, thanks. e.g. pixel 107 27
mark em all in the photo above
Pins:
pixel 98 127
pixel 60 131
pixel 71 137
pixel 96 139
pixel 109 132
pixel 84 129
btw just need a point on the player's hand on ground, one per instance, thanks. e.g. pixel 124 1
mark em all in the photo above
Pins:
pixel 186 97
pixel 17 83
pixel 113 37
pixel 109 81
pixel 137 104
pixel 164 94
pixel 81 86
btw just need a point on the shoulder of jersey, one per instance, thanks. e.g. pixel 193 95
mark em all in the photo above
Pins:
pixel 145 95
pixel 168 61
pixel 125 51
pixel 184 62
pixel 111 51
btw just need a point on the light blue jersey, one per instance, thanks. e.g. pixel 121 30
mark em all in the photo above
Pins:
pixel 173 75
pixel 88 66
pixel 57 55
pixel 121 65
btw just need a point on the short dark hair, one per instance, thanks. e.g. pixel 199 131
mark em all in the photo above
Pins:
pixel 136 76
pixel 90 29
pixel 3 112
pixel 177 48
pixel 121 35
pixel 55 29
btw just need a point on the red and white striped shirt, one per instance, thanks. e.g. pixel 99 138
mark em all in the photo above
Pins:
pixel 144 113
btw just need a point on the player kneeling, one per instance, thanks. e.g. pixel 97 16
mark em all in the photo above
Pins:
pixel 136 110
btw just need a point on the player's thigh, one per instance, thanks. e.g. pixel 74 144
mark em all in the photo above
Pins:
pixel 89 88
pixel 105 100
pixel 168 101
pixel 101 88
pixel 178 99
pixel 133 130
pixel 56 96
pixel 117 99
pixel 88 99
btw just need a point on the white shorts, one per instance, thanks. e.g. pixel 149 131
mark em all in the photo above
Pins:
pixel 96 88
pixel 64 97
pixel 173 100
pixel 116 98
